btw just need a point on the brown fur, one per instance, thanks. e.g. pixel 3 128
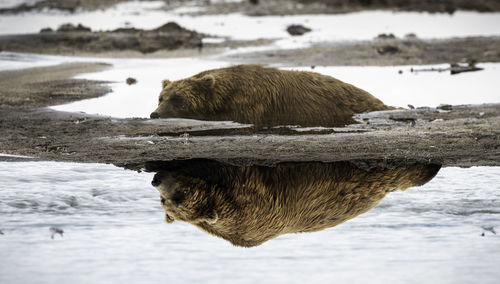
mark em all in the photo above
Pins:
pixel 265 97
pixel 250 205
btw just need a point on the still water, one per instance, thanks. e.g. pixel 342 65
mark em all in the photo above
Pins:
pixel 114 233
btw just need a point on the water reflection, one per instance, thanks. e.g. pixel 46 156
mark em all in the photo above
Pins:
pixel 248 205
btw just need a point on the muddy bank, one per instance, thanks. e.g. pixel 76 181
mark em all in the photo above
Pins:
pixel 44 86
pixel 63 5
pixel 70 39
pixel 381 138
pixel 285 7
pixel 381 51
pixel 273 7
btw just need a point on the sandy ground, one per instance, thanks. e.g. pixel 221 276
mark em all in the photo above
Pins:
pixel 44 86
pixel 381 52
pixel 180 42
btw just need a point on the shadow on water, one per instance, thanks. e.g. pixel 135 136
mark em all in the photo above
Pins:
pixel 249 205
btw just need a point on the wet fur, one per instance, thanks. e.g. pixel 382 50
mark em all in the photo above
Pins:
pixel 250 205
pixel 265 97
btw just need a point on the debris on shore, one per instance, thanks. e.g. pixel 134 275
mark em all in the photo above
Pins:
pixel 455 68
pixel 131 81
pixel 297 30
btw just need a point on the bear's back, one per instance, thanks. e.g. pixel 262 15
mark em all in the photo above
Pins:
pixel 270 97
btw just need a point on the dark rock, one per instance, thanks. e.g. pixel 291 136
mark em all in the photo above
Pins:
pixel 456 68
pixel 386 36
pixel 388 49
pixel 445 107
pixel 411 36
pixel 170 27
pixel 297 30
pixel 131 81
pixel 71 28
pixel 46 30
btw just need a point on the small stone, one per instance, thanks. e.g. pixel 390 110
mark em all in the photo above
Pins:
pixel 131 81
pixel 46 30
pixel 297 30
pixel 445 107
pixel 400 72
pixel 411 106
pixel 386 36
pixel 72 28
pixel 411 36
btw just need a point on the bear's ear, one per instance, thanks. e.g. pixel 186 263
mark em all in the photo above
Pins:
pixel 165 83
pixel 207 81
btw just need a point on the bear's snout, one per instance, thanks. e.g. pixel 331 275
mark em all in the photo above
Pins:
pixel 156 180
pixel 154 114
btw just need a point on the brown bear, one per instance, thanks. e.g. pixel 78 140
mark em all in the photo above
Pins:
pixel 248 205
pixel 265 97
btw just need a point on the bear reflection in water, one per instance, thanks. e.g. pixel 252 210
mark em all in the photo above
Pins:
pixel 248 205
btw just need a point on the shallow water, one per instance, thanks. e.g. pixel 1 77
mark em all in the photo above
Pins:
pixel 385 83
pixel 352 26
pixel 114 232
pixel 422 89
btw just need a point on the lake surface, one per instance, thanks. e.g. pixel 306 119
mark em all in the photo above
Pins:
pixel 114 233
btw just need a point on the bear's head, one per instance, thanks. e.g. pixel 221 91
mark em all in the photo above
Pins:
pixel 188 98
pixel 185 198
